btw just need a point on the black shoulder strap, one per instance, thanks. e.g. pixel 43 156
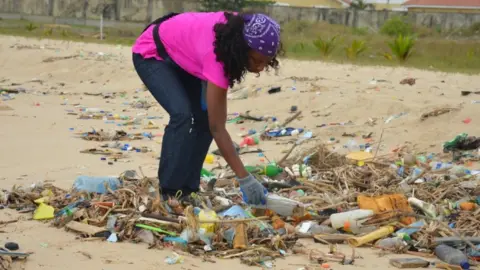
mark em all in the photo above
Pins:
pixel 156 37
pixel 161 19
pixel 158 43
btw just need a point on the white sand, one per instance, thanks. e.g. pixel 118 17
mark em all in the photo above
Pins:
pixel 37 145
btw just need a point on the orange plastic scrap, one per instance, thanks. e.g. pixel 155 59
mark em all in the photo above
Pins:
pixel 385 206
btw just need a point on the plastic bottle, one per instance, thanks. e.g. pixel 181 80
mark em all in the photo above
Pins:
pixel 268 170
pixel 413 228
pixel 280 205
pixel 440 166
pixel 429 209
pixel 350 221
pixel 96 184
pixel 206 215
pixel 390 243
pixel 452 256
pixel 416 172
pixel 206 173
pixel 318 229
pixel 459 171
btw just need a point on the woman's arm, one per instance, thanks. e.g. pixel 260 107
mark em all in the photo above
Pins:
pixel 217 117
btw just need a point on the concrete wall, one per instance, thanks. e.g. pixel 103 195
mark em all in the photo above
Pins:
pixel 139 12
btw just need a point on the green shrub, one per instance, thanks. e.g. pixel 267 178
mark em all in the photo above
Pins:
pixel 326 46
pixel 48 32
pixel 397 26
pixel 355 49
pixel 402 47
pixel 30 27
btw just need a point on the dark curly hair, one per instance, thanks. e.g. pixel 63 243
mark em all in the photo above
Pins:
pixel 232 50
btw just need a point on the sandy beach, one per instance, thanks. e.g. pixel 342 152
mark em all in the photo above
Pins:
pixel 38 142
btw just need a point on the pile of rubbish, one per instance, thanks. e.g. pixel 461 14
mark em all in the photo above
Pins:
pixel 405 203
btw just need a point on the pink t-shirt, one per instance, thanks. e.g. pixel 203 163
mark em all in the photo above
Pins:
pixel 188 39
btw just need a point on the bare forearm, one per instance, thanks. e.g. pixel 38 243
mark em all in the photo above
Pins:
pixel 225 145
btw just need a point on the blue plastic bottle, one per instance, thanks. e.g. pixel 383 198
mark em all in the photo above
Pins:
pixel 452 256
pixel 96 184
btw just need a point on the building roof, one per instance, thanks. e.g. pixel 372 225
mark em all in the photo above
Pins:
pixel 464 4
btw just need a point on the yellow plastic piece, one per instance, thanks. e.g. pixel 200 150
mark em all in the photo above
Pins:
pixel 375 235
pixel 359 156
pixel 206 216
pixel 209 159
pixel 43 211
pixel 42 200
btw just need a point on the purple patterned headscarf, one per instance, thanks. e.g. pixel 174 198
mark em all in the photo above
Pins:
pixel 262 34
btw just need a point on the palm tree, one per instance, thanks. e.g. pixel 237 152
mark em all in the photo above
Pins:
pixel 362 5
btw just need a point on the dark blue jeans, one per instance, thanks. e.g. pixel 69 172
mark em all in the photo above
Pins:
pixel 187 136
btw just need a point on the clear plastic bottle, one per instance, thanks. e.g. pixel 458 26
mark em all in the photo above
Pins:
pixel 280 205
pixel 413 228
pixel 318 229
pixel 440 166
pixel 452 256
pixel 96 184
pixel 390 243
pixel 416 172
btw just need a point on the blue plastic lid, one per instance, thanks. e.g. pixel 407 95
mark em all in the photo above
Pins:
pixel 465 265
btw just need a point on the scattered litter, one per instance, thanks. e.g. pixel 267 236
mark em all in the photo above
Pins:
pixel 466 93
pixel 175 259
pixel 437 112
pixel 409 81
pixel 274 90
pixel 401 202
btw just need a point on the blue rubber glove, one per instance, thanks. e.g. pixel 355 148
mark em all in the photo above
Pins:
pixel 252 191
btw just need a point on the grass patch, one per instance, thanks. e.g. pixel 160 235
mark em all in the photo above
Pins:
pixel 432 50
pixel 78 33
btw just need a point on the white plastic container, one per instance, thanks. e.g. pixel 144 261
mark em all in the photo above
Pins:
pixel 351 221
pixel 280 205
